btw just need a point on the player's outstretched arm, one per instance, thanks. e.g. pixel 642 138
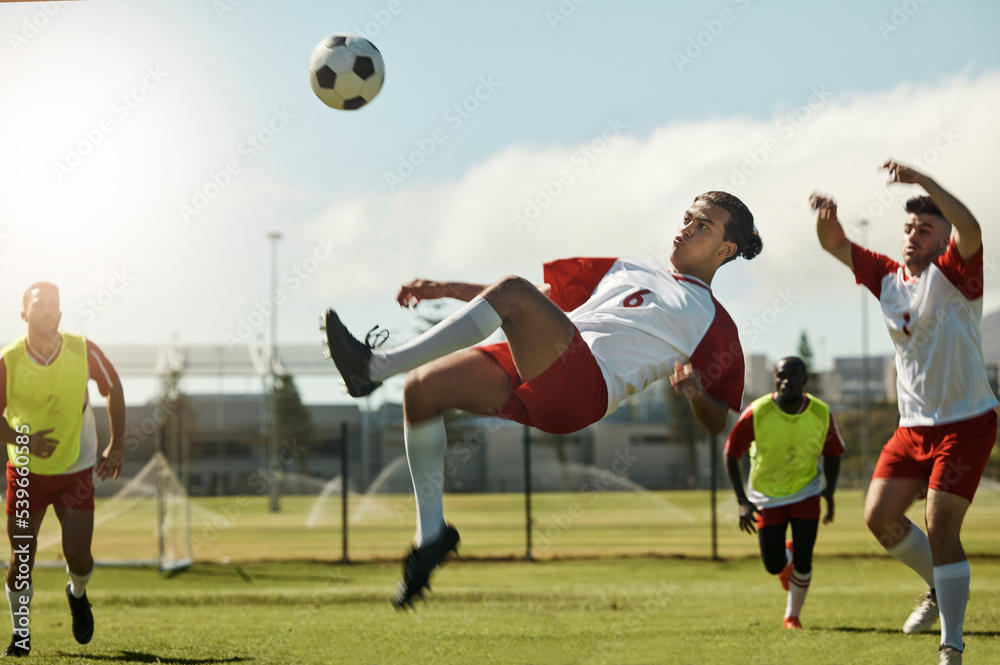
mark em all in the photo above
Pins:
pixel 424 289
pixel 968 234
pixel 831 234
pixel 747 509
pixel 110 463
pixel 710 412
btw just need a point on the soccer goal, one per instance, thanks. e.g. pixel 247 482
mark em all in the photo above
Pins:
pixel 145 522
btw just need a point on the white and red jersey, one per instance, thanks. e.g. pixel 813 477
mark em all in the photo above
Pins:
pixel 933 320
pixel 103 373
pixel 639 319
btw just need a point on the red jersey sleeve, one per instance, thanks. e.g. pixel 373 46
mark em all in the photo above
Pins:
pixel 573 280
pixel 719 360
pixel 965 274
pixel 739 440
pixel 870 267
pixel 834 441
pixel 101 369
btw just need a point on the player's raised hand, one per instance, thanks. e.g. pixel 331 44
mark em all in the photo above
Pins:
pixel 686 380
pixel 902 173
pixel 824 206
pixel 420 289
pixel 40 444
pixel 747 519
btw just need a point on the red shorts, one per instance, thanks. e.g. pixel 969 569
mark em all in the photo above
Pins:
pixel 950 457
pixel 72 490
pixel 565 398
pixel 806 509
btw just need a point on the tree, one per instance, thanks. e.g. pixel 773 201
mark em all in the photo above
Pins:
pixel 813 382
pixel 294 421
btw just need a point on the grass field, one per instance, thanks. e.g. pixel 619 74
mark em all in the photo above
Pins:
pixel 634 611
pixel 566 525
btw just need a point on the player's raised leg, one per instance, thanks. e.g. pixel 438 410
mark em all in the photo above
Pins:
pixel 512 303
pixel 885 514
pixel 23 538
pixel 77 534
pixel 363 369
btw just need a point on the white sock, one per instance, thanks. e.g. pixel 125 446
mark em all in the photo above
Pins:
pixel 798 586
pixel 951 582
pixel 789 557
pixel 426 444
pixel 469 325
pixel 20 602
pixel 78 583
pixel 915 551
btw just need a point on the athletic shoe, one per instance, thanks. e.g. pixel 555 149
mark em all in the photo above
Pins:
pixel 923 615
pixel 351 356
pixel 793 623
pixel 83 618
pixel 949 655
pixel 15 651
pixel 786 574
pixel 418 565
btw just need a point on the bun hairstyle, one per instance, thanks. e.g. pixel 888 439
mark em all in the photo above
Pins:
pixel 740 228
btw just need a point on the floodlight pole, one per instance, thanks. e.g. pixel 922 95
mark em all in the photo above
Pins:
pixel 272 400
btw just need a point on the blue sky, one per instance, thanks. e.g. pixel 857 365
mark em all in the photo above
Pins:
pixel 638 105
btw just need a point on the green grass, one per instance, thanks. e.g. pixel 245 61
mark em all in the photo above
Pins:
pixel 633 611
pixel 566 525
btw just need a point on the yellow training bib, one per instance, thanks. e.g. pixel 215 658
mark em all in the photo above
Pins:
pixel 50 396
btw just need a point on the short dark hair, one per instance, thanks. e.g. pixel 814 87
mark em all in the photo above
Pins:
pixel 41 286
pixel 794 361
pixel 923 205
pixel 740 228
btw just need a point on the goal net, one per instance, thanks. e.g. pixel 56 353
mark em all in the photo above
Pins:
pixel 146 520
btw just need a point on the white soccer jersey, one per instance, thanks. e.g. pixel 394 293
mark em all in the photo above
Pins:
pixel 933 320
pixel 639 319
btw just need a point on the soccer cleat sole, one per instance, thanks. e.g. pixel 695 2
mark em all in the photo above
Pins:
pixel 351 368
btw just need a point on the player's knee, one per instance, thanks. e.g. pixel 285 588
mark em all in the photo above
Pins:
pixel 875 521
pixel 78 557
pixel 509 292
pixel 420 399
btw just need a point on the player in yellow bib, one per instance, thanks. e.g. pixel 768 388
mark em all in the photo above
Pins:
pixel 795 450
pixel 49 429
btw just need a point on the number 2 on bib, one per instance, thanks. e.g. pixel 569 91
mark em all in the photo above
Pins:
pixel 635 299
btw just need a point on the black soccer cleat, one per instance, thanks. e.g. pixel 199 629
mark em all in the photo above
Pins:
pixel 19 647
pixel 417 567
pixel 83 618
pixel 351 356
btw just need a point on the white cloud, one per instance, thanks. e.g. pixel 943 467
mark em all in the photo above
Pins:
pixel 624 196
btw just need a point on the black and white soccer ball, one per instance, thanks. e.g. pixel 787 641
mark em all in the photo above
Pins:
pixel 346 71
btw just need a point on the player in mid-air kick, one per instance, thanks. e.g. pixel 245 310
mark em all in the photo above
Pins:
pixel 596 331
pixel 795 450
pixel 932 305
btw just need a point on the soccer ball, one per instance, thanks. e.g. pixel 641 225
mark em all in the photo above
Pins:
pixel 346 71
